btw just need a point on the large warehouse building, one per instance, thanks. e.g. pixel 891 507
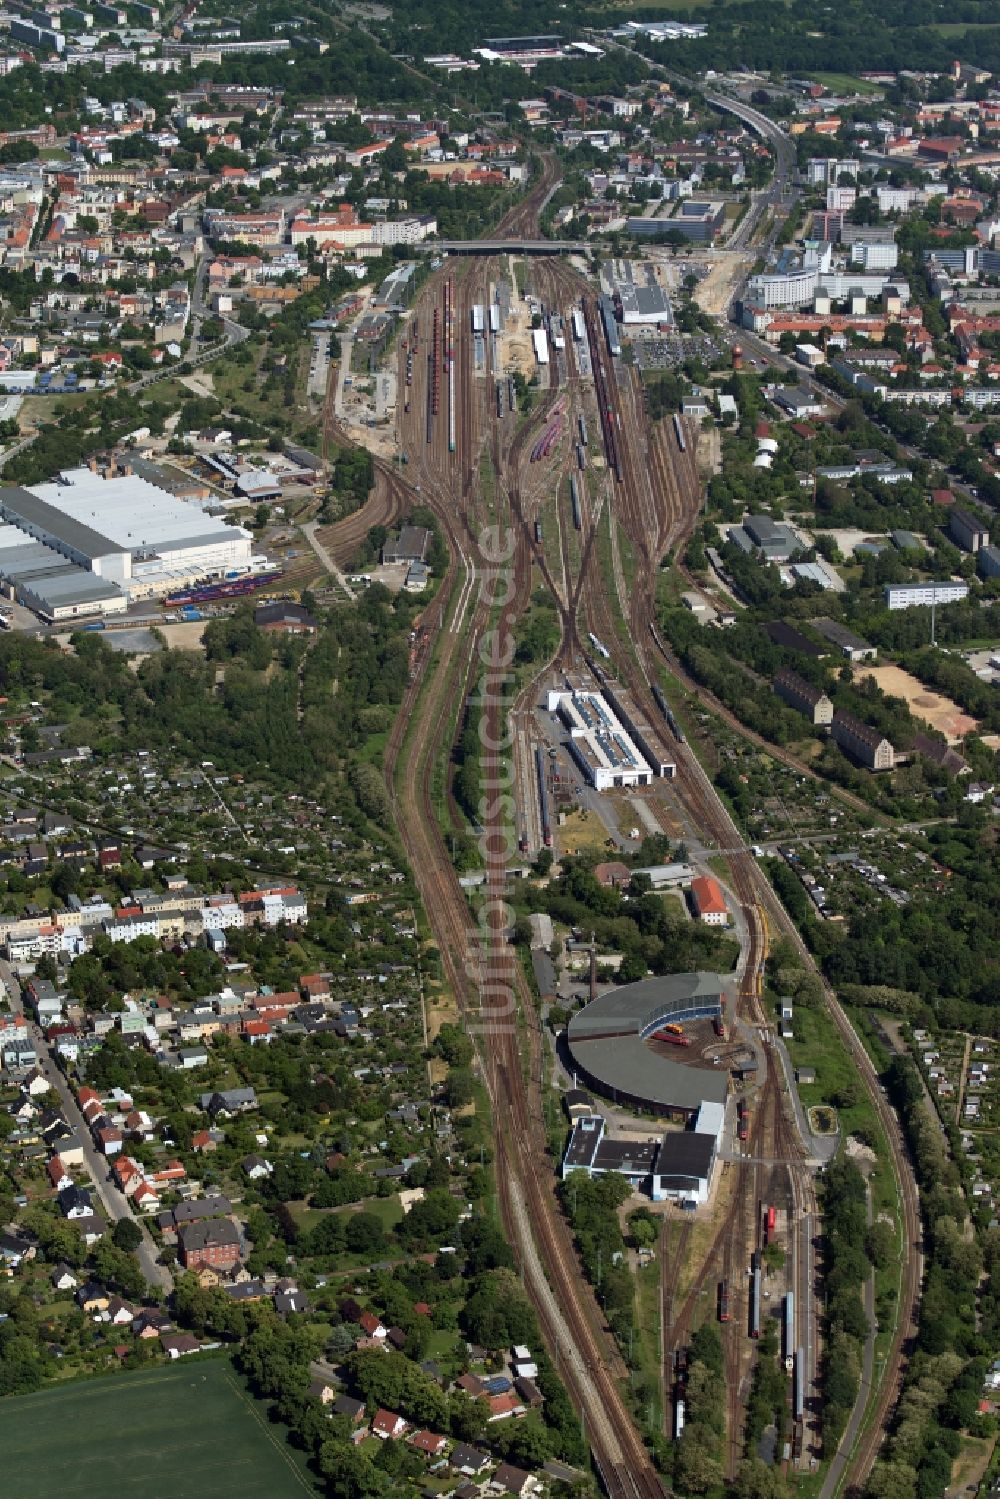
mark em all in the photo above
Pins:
pixel 607 1041
pixel 85 545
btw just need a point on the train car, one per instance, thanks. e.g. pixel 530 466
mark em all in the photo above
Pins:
pixel 772 1218
pixel 672 1040
pixel 494 316
pixel 723 1301
pixel 213 592
pixel 678 1416
pixel 599 646
pixel 679 433
pixel 581 456
pixel 574 499
pixel 576 321
pixel 674 727
pixel 681 1365
pixel 797 1441
pixel 799 1387
pixel 742 1119
pixel 788 1326
pixel 719 1027
pixel 607 311
pixel 754 1322
pixel 510 393
pixel 478 318
pixel 538 531
pixel 543 798
pixel 674 1029
pixel 581 423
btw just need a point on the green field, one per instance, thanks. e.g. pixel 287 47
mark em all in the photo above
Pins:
pixel 173 1433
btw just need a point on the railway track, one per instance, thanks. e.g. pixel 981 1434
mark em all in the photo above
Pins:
pixel 656 503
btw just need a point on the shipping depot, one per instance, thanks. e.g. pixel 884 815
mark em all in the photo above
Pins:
pixel 84 545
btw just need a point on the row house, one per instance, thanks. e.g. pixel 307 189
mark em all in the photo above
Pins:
pixel 804 697
pixel 867 745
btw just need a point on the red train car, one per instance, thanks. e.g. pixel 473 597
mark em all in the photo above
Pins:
pixel 742 1119
pixel 723 1301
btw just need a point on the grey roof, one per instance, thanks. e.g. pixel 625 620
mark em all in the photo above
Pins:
pixel 71 586
pixel 23 507
pixel 31 560
pixel 212 1233
pixel 839 634
pixel 606 1041
pixel 684 1156
pixel 763 529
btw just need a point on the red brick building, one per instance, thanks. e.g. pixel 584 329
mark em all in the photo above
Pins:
pixel 214 1243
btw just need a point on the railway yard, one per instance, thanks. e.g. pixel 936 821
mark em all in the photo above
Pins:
pixel 578 494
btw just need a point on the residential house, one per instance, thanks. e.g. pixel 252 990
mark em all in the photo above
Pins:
pixel 511 1480
pixel 347 1405
pixel 468 1460
pixel 386 1424
pixel 63 1278
pixel 92 1298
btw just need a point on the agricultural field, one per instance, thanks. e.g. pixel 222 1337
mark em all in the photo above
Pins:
pixel 186 1430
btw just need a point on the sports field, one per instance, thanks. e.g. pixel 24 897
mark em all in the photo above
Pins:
pixel 183 1432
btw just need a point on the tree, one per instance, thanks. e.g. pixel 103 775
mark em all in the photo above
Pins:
pixel 695 1469
pixel 126 1235
pixel 880 1244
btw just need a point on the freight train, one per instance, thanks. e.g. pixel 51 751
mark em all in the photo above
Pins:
pixel 664 708
pixel 799 1389
pixel 543 798
pixel 607 310
pixel 574 499
pixel 604 406
pixel 754 1322
pixel 679 433
pixel 233 589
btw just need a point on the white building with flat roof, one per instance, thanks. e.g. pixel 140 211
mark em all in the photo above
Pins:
pixel 915 595
pixel 126 531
